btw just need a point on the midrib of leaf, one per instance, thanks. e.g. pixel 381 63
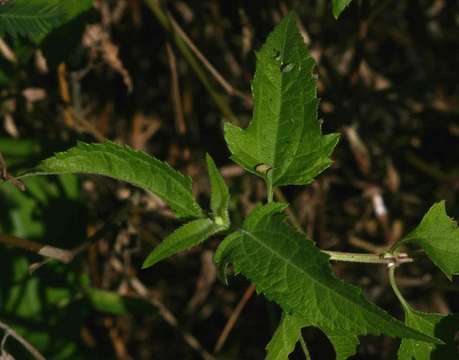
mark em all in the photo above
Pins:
pixel 278 112
pixel 125 164
pixel 147 165
pixel 360 316
pixel 33 17
pixel 286 260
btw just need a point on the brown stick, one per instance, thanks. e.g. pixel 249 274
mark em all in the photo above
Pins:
pixel 212 70
pixel 28 346
pixel 175 91
pixel 233 318
pixel 168 316
pixel 52 252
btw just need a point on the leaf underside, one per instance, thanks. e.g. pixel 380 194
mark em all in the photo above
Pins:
pixel 125 164
pixel 438 235
pixel 287 268
pixel 185 237
pixel 284 135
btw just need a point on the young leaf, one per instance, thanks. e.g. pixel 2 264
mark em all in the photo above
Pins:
pixel 125 164
pixel 284 137
pixel 288 269
pixel 339 6
pixel 442 327
pixel 183 238
pixel 438 235
pixel 220 195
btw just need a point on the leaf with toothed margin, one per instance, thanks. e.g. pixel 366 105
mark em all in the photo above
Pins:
pixel 438 235
pixel 185 237
pixel 289 269
pixel 283 143
pixel 289 330
pixel 123 163
pixel 443 327
pixel 285 338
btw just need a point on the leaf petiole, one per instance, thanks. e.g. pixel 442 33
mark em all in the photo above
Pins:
pixel 387 258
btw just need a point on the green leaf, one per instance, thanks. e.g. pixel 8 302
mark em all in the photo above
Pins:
pixel 289 330
pixel 113 303
pixel 285 338
pixel 283 142
pixel 35 19
pixel 442 327
pixel 345 345
pixel 289 269
pixel 438 235
pixel 125 164
pixel 183 238
pixel 339 6
pixel 61 44
pixel 220 195
pixel 29 18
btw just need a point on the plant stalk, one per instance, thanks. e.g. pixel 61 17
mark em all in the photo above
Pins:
pixel 396 290
pixel 369 258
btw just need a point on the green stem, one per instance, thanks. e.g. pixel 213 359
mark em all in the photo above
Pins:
pixel 270 191
pixel 368 258
pixel 396 290
pixel 305 348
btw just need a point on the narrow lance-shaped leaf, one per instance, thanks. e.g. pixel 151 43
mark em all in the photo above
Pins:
pixel 219 197
pixel 284 137
pixel 339 6
pixel 438 235
pixel 183 238
pixel 287 268
pixel 125 164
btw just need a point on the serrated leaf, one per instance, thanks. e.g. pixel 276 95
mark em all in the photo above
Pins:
pixel 289 330
pixel 35 19
pixel 284 137
pixel 345 344
pixel 183 238
pixel 442 327
pixel 219 197
pixel 339 6
pixel 125 164
pixel 285 338
pixel 438 235
pixel 289 269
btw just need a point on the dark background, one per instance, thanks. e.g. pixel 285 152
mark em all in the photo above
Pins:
pixel 388 79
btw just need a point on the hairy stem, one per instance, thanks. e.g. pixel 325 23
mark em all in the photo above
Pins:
pixel 369 258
